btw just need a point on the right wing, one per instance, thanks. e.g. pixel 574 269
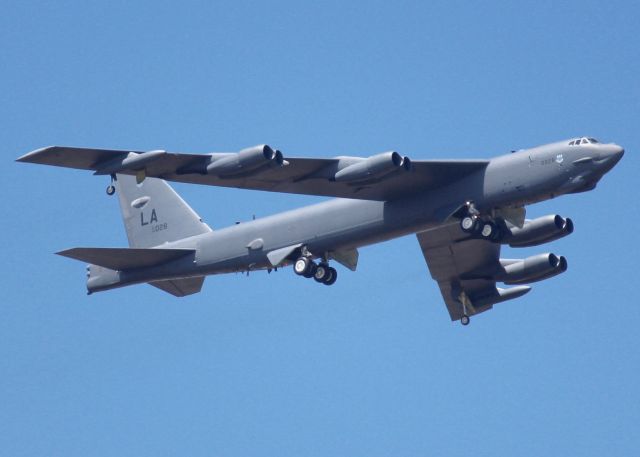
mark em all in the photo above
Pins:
pixel 296 175
pixel 465 269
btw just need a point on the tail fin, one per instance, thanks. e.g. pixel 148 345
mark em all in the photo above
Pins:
pixel 154 213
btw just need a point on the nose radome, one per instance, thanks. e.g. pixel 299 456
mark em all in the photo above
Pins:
pixel 612 155
pixel 616 152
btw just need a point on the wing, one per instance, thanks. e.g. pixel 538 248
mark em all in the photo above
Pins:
pixel 465 269
pixel 293 175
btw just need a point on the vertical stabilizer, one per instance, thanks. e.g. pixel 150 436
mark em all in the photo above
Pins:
pixel 154 213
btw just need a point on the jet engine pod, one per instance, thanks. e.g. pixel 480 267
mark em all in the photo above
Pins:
pixel 532 269
pixel 246 162
pixel 538 231
pixel 376 166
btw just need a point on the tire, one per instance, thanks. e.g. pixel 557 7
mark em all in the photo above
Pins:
pixel 111 190
pixel 497 235
pixel 322 273
pixel 464 320
pixel 488 230
pixel 312 270
pixel 301 266
pixel 468 224
pixel 333 276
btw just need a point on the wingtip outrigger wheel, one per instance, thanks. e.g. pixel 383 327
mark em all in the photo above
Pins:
pixel 464 299
pixel 111 189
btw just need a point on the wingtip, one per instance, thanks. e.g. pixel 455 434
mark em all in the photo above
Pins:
pixel 29 156
pixel 66 252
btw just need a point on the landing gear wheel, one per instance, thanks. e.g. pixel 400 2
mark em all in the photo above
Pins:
pixel 469 224
pixel 311 271
pixel 111 188
pixel 302 266
pixel 464 320
pixel 488 230
pixel 333 276
pixel 322 273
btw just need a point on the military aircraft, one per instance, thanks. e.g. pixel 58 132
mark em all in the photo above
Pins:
pixel 461 211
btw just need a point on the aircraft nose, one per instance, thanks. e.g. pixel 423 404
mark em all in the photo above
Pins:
pixel 615 153
pixel 610 156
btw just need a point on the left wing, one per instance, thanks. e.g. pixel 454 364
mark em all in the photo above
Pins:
pixel 380 177
pixel 465 269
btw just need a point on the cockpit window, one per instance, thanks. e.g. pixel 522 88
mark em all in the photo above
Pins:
pixel 583 141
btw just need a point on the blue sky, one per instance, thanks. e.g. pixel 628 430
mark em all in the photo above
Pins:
pixel 272 364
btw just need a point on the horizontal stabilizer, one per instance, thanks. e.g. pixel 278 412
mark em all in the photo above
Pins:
pixel 125 258
pixel 180 287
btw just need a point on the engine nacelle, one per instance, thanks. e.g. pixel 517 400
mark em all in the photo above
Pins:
pixel 375 166
pixel 531 269
pixel 248 160
pixel 538 231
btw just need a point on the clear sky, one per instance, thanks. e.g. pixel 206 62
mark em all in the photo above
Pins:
pixel 273 365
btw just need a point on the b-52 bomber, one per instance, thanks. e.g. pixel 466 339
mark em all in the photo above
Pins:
pixel 462 212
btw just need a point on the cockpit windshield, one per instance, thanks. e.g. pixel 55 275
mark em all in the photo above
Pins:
pixel 583 141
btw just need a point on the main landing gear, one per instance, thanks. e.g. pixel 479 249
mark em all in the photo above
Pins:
pixel 321 272
pixel 473 224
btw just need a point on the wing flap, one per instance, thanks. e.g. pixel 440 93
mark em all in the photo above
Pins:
pixel 125 258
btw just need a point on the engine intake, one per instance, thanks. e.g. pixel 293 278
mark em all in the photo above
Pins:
pixel 249 161
pixel 377 166
pixel 539 231
pixel 532 269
